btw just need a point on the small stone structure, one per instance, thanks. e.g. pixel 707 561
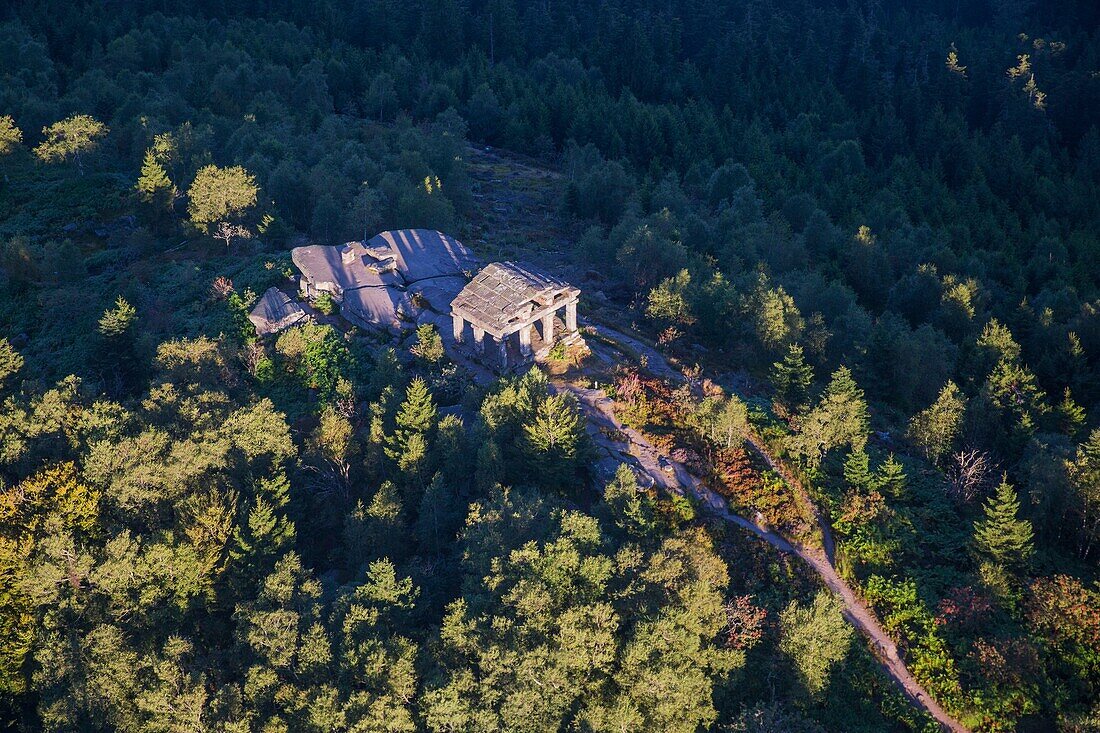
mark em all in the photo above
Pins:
pixel 386 281
pixel 275 311
pixel 505 299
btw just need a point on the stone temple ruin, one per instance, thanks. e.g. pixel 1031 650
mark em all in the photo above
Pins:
pixel 401 279
pixel 506 299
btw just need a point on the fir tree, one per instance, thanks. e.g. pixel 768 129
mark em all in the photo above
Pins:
pixel 417 413
pixel 416 416
pixel 116 356
pixel 261 535
pixel 841 418
pixel 153 184
pixel 116 322
pixel 1084 475
pixel 792 379
pixel 439 518
pixel 552 442
pixel 857 470
pixel 264 535
pixel 1001 536
pixel 375 530
pixel 490 466
pixel 890 478
pixel 1071 415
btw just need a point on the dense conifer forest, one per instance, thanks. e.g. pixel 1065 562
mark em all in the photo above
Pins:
pixel 868 232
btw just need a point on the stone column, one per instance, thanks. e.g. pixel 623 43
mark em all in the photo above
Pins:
pixel 459 327
pixel 479 339
pixel 571 316
pixel 503 352
pixel 548 329
pixel 525 339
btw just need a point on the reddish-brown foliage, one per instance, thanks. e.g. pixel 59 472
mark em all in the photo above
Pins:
pixel 744 622
pixel 965 607
pixel 221 288
pixel 1005 661
pixel 734 470
pixel 1062 608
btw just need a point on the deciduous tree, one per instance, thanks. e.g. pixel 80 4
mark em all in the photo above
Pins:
pixel 935 428
pixel 816 637
pixel 1084 474
pixel 73 137
pixel 220 196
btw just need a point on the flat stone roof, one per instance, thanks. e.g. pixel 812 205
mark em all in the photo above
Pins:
pixel 505 293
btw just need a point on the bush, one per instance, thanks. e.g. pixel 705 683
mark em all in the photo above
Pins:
pixel 325 303
pixel 429 345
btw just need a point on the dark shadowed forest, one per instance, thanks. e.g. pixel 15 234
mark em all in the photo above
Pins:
pixel 868 231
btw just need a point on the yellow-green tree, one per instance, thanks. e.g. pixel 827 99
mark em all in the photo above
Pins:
pixel 219 198
pixel 71 138
pixel 10 135
pixel 154 186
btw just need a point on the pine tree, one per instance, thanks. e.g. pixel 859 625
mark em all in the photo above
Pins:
pixel 890 478
pixel 816 638
pixel 72 137
pixel 857 470
pixel 1001 536
pixel 429 344
pixel 154 185
pixel 416 416
pixel 1071 415
pixel 116 322
pixel 220 196
pixel 631 509
pixel 792 379
pixel 953 64
pixel 552 441
pixel 439 518
pixel 934 429
pixel 10 135
pixel 11 361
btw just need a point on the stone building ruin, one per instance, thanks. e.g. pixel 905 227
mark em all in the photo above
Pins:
pixel 507 299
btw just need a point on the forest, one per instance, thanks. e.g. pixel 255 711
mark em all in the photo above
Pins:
pixel 869 231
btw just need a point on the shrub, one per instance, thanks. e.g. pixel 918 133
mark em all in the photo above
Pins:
pixel 325 303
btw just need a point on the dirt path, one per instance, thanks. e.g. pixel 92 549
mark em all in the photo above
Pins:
pixel 519 216
pixel 621 443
